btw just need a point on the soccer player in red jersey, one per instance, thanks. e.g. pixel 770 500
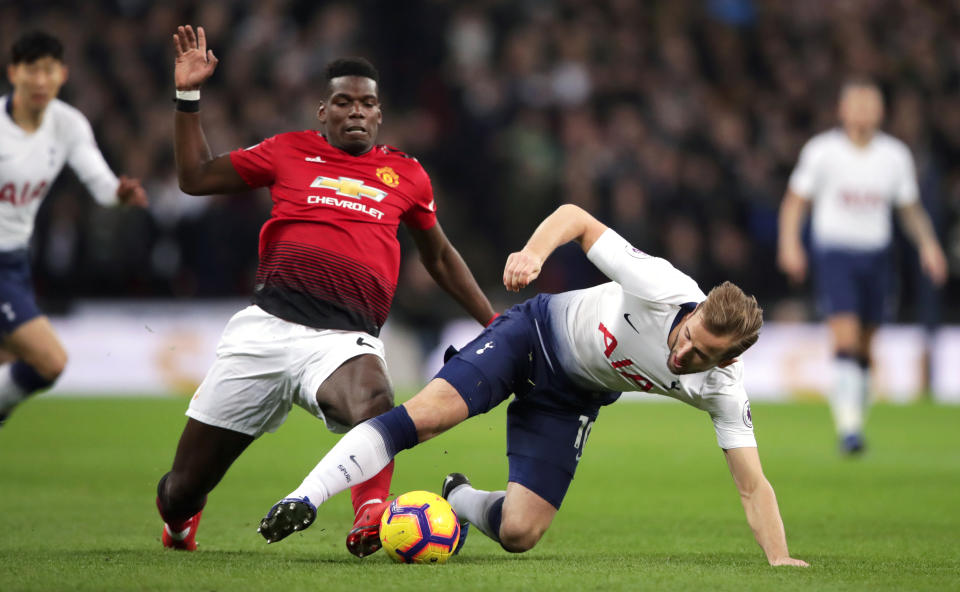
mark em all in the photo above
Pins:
pixel 329 260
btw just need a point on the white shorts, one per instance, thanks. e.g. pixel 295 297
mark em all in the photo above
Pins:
pixel 266 364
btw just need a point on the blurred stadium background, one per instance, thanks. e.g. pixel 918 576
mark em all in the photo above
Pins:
pixel 676 122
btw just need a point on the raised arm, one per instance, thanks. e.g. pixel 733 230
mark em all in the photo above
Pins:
pixel 790 255
pixel 760 504
pixel 567 223
pixel 451 273
pixel 917 225
pixel 198 171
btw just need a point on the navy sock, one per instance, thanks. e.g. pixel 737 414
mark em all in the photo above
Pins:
pixel 397 429
pixel 494 516
pixel 27 378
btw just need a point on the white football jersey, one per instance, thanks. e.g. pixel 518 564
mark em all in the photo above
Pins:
pixel 29 163
pixel 614 337
pixel 854 189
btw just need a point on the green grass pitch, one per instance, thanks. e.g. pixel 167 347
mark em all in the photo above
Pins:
pixel 652 507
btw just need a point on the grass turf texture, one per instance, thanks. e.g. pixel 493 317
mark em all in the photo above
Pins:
pixel 652 507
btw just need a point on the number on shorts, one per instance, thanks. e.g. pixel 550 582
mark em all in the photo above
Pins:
pixel 586 424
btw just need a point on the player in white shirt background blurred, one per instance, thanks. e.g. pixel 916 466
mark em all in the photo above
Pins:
pixel 38 135
pixel 853 178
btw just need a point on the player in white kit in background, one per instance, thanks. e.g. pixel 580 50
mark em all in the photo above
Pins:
pixel 38 135
pixel 853 178
pixel 565 356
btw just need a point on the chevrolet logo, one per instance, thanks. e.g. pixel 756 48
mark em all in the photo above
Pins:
pixel 349 188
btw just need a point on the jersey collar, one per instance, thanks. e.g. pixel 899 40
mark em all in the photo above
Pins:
pixel 685 309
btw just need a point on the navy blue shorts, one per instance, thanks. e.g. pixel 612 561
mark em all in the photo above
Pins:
pixel 550 418
pixel 854 282
pixel 17 303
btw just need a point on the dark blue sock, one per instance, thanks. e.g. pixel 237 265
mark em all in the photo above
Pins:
pixel 27 378
pixel 397 429
pixel 494 516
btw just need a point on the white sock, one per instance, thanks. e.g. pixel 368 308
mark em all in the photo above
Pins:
pixel 847 401
pixel 10 392
pixel 359 455
pixel 473 506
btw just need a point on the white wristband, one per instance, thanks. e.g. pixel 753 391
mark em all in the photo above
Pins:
pixel 188 95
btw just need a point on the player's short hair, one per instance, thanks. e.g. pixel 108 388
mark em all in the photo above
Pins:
pixel 355 66
pixel 729 312
pixel 34 45
pixel 858 81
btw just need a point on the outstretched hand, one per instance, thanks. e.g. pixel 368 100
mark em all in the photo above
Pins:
pixel 195 63
pixel 130 192
pixel 522 268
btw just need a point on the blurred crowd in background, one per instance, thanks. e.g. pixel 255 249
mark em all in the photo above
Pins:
pixel 676 122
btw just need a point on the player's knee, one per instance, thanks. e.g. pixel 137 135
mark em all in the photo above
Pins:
pixel 517 537
pixel 376 402
pixel 56 366
pixel 50 365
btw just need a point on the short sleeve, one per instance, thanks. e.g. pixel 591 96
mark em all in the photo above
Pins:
pixel 642 275
pixel 805 179
pixel 423 213
pixel 907 190
pixel 729 408
pixel 255 164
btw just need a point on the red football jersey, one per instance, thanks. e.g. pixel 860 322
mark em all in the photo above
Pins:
pixel 329 255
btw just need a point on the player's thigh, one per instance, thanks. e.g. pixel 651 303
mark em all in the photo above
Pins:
pixel 846 331
pixel 356 391
pixel 526 516
pixel 17 302
pixel 837 292
pixel 36 343
pixel 251 387
pixel 875 285
pixel 436 409
pixel 496 364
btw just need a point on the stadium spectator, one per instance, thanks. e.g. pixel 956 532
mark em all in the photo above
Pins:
pixel 649 86
pixel 853 178
pixel 39 134
pixel 329 260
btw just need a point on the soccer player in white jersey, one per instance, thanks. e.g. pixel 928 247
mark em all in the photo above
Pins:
pixel 38 135
pixel 564 356
pixel 853 178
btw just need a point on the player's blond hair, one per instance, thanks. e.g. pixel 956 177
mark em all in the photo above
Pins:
pixel 728 311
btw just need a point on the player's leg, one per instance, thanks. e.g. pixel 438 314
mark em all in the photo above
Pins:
pixel 246 392
pixel 359 390
pixel 874 282
pixel 474 381
pixel 849 380
pixel 544 446
pixel 204 454
pixel 516 518
pixel 839 297
pixel 364 451
pixel 39 360
pixel 34 356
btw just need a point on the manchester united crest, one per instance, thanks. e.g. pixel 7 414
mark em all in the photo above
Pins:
pixel 388 176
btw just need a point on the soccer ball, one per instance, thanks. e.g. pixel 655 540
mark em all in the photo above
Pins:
pixel 419 527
